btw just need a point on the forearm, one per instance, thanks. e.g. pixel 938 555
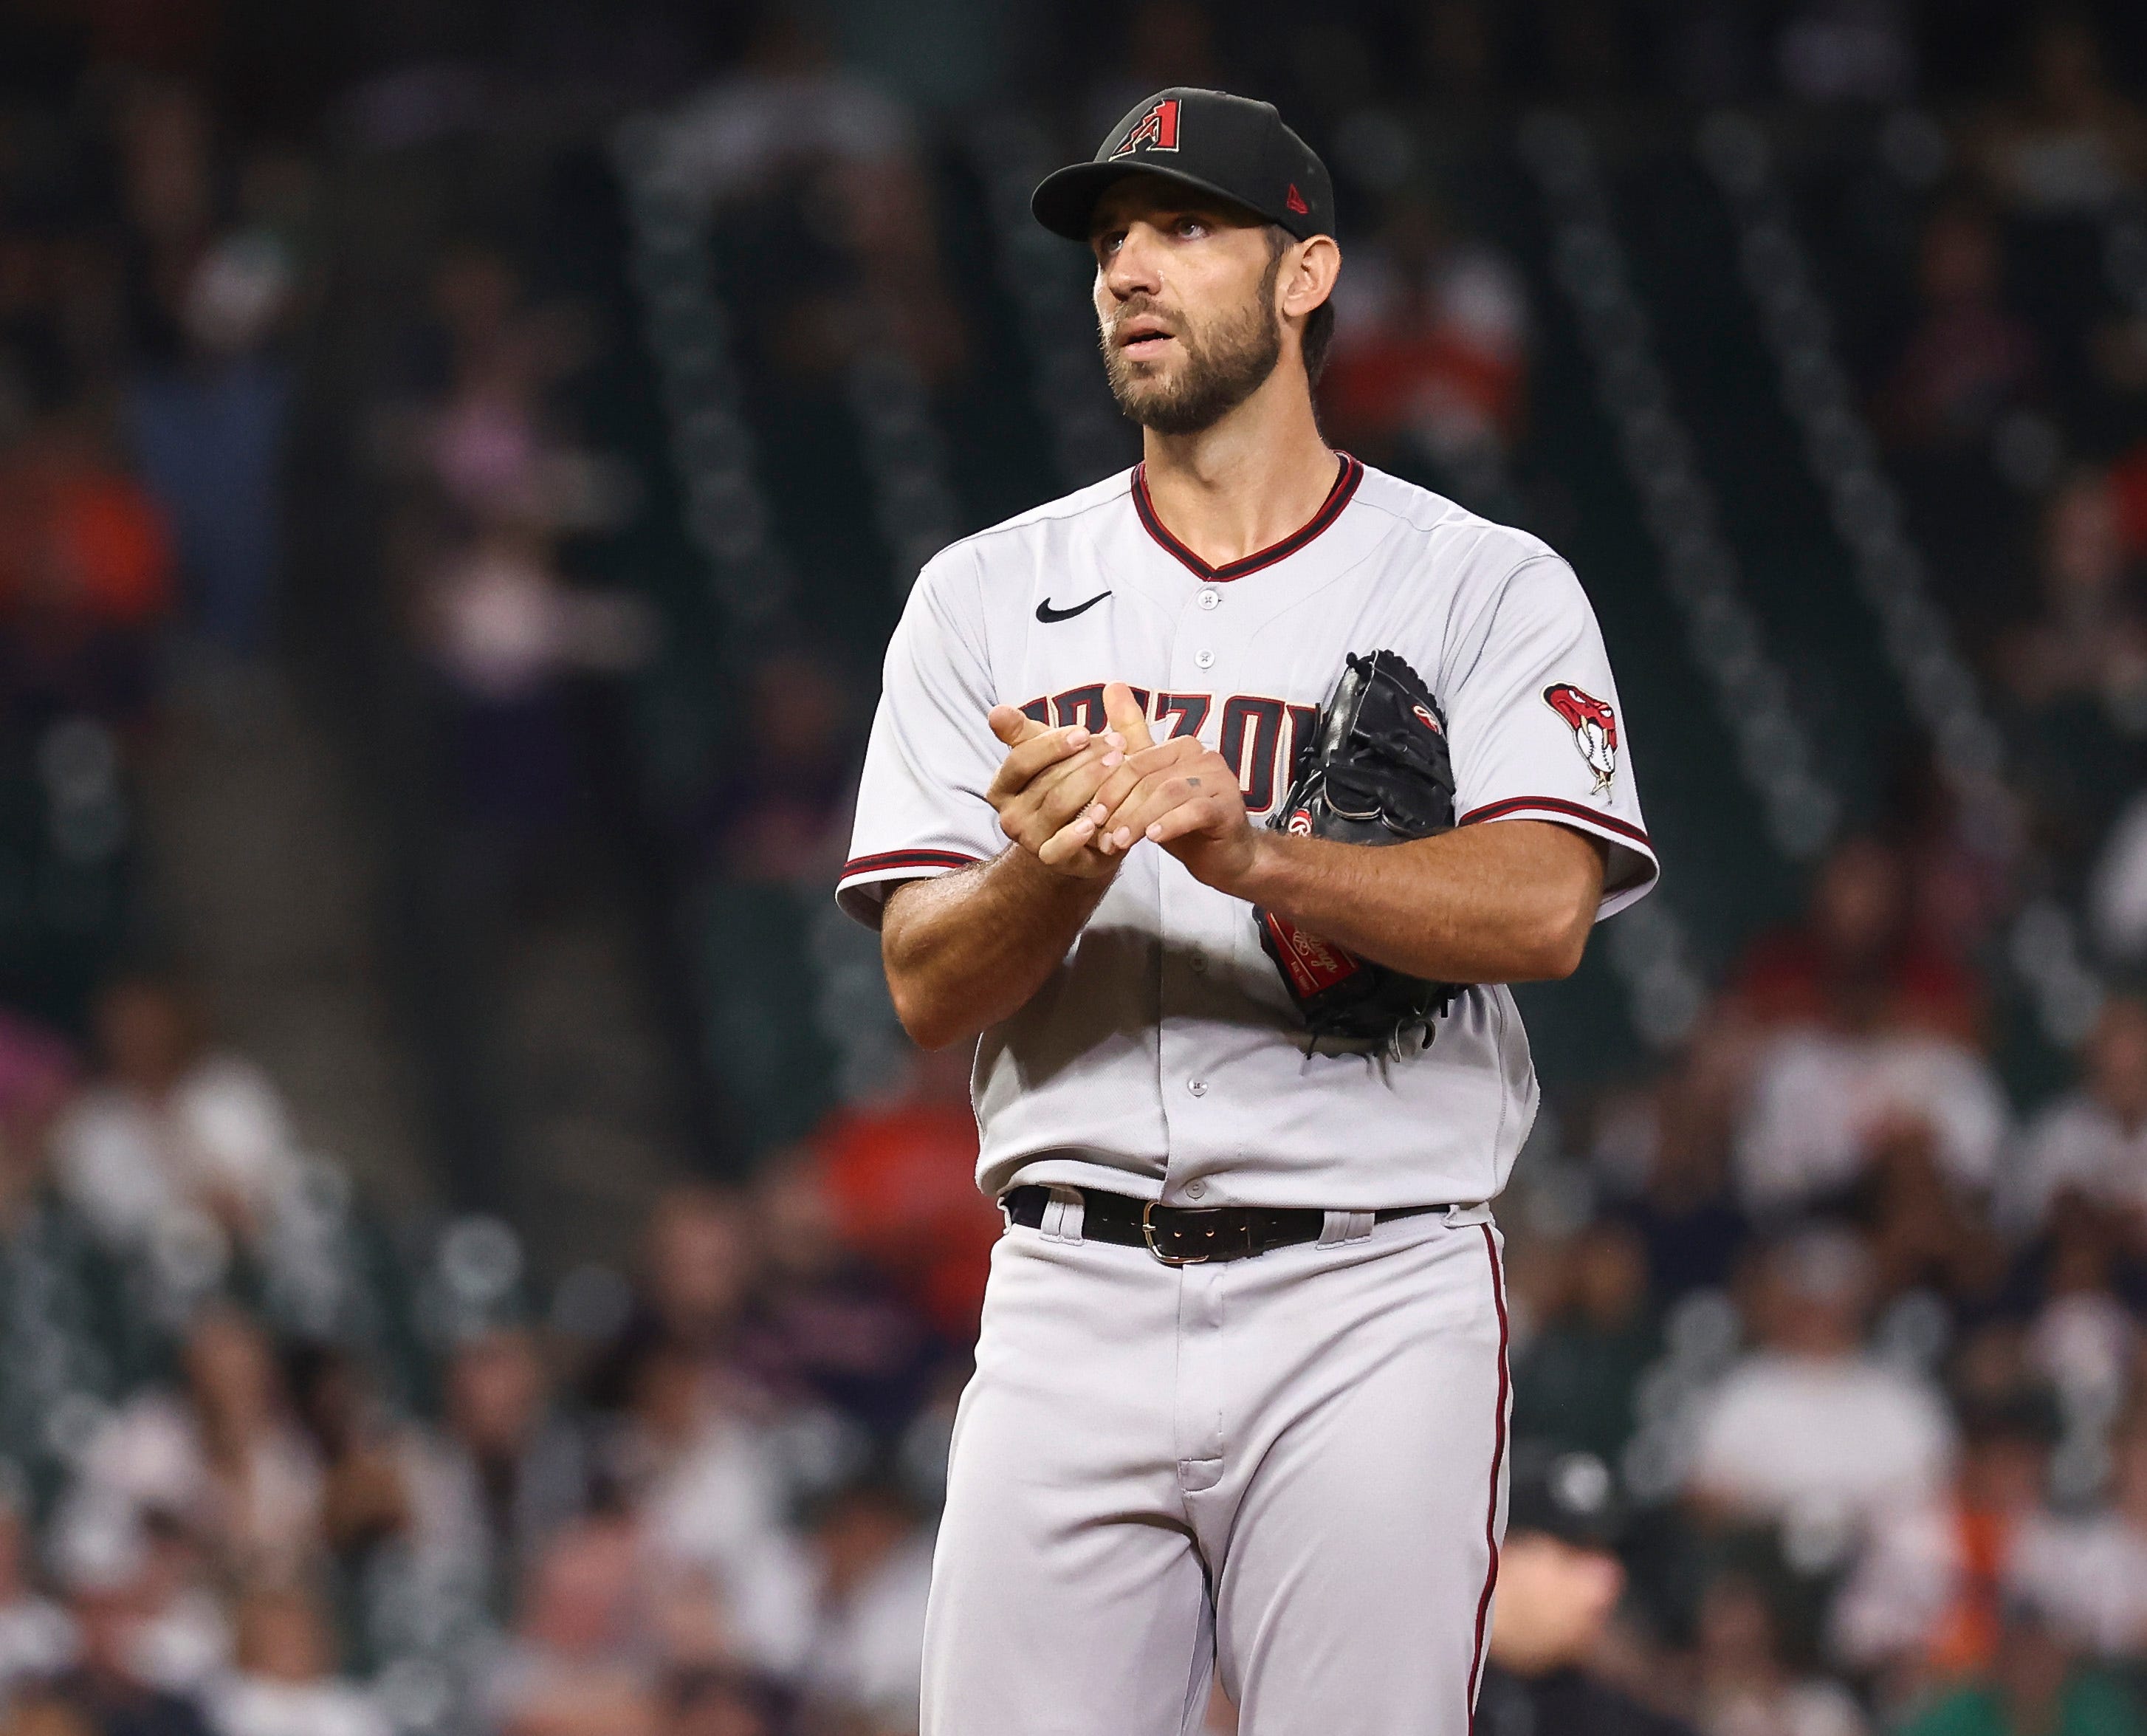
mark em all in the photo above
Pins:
pixel 1511 901
pixel 968 949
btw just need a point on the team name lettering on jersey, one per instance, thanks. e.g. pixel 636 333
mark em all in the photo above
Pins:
pixel 1249 733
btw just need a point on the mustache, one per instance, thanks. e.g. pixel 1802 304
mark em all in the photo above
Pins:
pixel 1142 307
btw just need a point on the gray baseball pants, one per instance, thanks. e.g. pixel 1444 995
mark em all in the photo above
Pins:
pixel 1290 1468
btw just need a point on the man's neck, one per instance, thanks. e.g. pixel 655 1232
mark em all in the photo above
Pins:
pixel 1246 482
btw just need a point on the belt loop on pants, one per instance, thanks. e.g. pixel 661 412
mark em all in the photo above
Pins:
pixel 1063 1217
pixel 1338 1228
pixel 1457 1217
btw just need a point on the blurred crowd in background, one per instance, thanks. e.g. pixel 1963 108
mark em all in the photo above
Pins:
pixel 402 380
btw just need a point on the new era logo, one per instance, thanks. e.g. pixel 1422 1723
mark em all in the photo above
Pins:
pixel 1156 130
pixel 1296 202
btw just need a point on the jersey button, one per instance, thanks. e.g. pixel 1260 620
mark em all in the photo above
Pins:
pixel 1198 1088
pixel 1196 1190
pixel 1211 598
pixel 1199 963
pixel 1204 659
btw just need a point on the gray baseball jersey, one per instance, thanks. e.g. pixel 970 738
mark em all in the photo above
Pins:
pixel 1163 1058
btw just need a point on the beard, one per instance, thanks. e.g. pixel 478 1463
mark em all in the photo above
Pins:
pixel 1223 368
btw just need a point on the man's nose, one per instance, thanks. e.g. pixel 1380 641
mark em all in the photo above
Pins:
pixel 1133 269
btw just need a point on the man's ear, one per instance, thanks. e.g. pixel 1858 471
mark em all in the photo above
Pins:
pixel 1307 276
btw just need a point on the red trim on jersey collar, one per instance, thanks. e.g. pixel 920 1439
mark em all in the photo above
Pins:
pixel 1345 485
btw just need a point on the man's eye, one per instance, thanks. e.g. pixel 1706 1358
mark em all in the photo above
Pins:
pixel 1191 226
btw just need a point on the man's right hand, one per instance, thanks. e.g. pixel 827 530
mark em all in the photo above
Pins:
pixel 1048 778
pixel 1045 792
pixel 968 949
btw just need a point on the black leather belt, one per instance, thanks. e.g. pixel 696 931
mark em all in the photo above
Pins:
pixel 1186 1235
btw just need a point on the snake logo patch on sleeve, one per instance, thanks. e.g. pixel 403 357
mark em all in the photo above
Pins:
pixel 1594 727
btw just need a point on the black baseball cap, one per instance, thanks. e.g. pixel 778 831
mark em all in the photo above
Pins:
pixel 1204 139
pixel 1571 1496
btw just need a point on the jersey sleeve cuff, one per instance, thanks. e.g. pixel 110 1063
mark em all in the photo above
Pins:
pixel 1630 873
pixel 862 891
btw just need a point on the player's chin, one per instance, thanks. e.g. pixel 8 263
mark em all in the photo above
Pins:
pixel 1154 372
pixel 1145 387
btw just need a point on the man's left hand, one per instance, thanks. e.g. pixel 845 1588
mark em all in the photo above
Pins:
pixel 1185 797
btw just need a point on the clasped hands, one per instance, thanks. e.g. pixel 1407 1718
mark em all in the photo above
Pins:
pixel 1078 801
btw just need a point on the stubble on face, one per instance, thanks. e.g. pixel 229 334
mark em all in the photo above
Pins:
pixel 1225 363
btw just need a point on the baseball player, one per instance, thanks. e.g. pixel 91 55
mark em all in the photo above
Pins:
pixel 1241 1391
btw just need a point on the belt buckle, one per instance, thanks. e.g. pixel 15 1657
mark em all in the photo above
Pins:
pixel 1147 1236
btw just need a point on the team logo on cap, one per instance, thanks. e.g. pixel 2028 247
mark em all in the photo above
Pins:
pixel 1595 728
pixel 1156 130
pixel 1296 202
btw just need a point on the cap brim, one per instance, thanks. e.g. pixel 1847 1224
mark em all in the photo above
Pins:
pixel 1065 200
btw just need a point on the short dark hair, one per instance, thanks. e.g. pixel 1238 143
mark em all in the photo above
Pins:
pixel 1319 323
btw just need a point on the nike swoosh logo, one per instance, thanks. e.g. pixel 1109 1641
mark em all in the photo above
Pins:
pixel 1045 612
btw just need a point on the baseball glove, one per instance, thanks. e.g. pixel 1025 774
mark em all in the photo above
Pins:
pixel 1376 771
